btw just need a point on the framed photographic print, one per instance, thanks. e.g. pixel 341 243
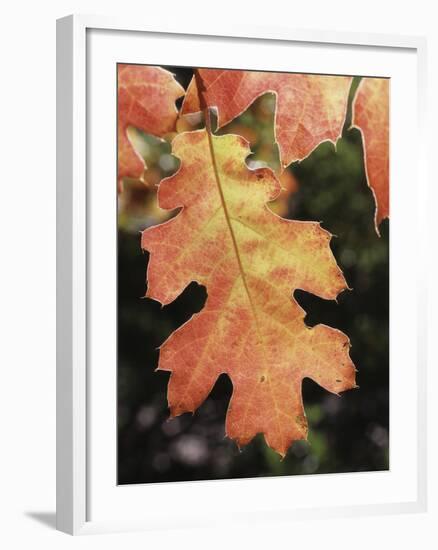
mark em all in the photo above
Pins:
pixel 232 274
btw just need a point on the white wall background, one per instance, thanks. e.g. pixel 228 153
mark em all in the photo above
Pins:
pixel 27 272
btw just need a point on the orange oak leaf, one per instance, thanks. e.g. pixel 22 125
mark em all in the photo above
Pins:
pixel 371 116
pixel 310 108
pixel 250 261
pixel 146 100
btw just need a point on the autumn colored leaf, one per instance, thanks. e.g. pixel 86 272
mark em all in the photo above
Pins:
pixel 250 261
pixel 310 108
pixel 371 116
pixel 146 100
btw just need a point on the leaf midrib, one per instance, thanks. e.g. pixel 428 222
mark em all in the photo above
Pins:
pixel 230 228
pixel 242 273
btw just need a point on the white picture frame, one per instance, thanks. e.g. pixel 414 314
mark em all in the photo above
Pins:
pixel 76 212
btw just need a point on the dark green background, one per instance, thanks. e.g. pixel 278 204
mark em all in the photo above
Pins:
pixel 347 433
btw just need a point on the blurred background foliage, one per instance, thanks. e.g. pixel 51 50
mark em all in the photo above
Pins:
pixel 347 433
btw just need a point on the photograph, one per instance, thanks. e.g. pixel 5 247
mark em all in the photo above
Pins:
pixel 252 273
